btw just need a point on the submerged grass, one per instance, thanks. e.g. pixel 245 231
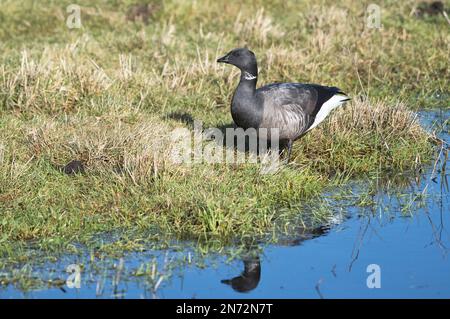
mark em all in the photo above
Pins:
pixel 110 94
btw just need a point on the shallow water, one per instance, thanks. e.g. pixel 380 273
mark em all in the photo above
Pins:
pixel 402 235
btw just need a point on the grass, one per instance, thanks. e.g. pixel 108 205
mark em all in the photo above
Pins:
pixel 109 94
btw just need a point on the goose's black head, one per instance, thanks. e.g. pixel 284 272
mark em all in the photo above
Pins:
pixel 242 58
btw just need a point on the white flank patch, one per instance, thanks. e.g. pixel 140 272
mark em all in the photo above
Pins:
pixel 327 107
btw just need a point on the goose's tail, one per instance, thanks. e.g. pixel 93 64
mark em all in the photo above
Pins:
pixel 343 97
pixel 336 100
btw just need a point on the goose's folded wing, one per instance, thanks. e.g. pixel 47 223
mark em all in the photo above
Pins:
pixel 289 119
pixel 292 107
pixel 309 97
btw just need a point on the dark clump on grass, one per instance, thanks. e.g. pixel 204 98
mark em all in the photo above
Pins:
pixel 73 167
pixel 429 8
pixel 142 12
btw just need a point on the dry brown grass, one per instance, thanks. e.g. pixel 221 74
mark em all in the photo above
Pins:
pixel 139 150
pixel 363 135
pixel 378 117
pixel 260 27
pixel 54 81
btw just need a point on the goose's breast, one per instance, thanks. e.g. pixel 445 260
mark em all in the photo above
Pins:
pixel 245 113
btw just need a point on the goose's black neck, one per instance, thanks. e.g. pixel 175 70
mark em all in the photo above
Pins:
pixel 245 109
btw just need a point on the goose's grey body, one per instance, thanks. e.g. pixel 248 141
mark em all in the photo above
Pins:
pixel 289 107
pixel 292 108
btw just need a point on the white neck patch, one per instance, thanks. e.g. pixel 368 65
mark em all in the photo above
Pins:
pixel 249 76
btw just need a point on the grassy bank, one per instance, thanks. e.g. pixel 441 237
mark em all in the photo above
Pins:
pixel 109 94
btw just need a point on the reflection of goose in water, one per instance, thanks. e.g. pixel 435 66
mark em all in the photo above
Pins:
pixel 250 277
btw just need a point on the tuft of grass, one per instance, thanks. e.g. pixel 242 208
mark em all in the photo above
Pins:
pixel 365 137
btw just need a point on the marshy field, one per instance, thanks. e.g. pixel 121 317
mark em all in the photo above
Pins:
pixel 92 203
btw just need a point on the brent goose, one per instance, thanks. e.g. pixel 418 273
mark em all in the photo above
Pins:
pixel 292 108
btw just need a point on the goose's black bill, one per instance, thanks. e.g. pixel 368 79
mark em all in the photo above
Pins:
pixel 224 59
